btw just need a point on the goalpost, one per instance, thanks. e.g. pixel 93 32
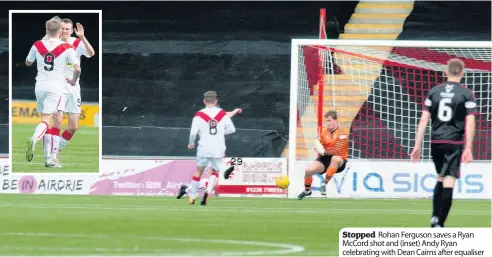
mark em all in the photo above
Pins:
pixel 378 89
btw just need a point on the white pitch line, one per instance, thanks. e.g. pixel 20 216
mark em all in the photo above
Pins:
pixel 225 209
pixel 168 252
pixel 136 250
pixel 408 201
pixel 62 156
pixel 66 249
pixel 284 248
pixel 41 164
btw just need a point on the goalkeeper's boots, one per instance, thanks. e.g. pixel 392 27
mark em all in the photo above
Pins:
pixel 322 188
pixel 228 172
pixel 31 147
pixel 204 199
pixel 304 194
pixel 182 191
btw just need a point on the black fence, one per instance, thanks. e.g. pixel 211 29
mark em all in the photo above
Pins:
pixel 155 75
pixel 449 21
pixel 27 28
pixel 159 58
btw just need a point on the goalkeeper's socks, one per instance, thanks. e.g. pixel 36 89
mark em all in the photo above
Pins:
pixel 66 136
pixel 330 172
pixel 40 131
pixel 47 143
pixel 307 184
pixel 437 200
pixel 195 182
pixel 447 200
pixel 55 140
pixel 211 182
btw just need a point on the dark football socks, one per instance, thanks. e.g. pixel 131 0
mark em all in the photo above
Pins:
pixel 447 200
pixel 437 200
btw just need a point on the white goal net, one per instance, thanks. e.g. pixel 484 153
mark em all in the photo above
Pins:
pixel 378 89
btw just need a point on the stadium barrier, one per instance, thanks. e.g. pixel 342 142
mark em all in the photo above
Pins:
pixel 253 177
pixel 395 179
pixel 24 112
pixel 151 177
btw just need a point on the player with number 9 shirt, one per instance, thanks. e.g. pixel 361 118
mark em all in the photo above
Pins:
pixel 211 124
pixel 452 109
pixel 51 55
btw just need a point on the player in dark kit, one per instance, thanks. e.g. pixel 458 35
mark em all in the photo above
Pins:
pixel 452 109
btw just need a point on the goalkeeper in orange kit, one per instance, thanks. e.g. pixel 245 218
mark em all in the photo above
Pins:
pixel 332 147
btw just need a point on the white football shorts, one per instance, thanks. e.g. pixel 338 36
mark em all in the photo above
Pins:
pixel 47 102
pixel 63 102
pixel 71 102
pixel 203 162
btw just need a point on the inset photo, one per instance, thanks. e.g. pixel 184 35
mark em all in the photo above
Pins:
pixel 55 79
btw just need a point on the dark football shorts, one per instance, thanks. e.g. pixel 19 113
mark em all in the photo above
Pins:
pixel 447 159
pixel 326 159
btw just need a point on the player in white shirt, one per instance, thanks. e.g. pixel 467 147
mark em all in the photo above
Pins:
pixel 184 189
pixel 51 55
pixel 71 101
pixel 211 124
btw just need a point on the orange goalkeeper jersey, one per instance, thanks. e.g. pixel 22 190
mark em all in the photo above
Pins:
pixel 336 142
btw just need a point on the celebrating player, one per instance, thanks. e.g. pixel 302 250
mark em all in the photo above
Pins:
pixel 211 124
pixel 332 148
pixel 452 109
pixel 203 185
pixel 71 101
pixel 51 55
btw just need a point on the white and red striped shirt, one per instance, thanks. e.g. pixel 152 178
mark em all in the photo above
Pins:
pixel 212 124
pixel 80 50
pixel 51 56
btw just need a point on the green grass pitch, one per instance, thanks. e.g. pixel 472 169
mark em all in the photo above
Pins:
pixel 80 155
pixel 117 225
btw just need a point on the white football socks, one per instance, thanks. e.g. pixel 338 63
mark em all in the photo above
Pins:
pixel 47 144
pixel 40 130
pixel 195 183
pixel 63 141
pixel 211 182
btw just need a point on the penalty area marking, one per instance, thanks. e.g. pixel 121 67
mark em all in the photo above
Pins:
pixel 283 248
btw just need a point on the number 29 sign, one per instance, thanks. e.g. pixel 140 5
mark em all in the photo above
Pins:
pixel 253 176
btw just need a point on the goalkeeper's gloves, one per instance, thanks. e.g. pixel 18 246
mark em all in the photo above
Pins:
pixel 319 147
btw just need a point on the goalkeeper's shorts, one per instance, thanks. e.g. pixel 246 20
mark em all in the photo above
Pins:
pixel 326 159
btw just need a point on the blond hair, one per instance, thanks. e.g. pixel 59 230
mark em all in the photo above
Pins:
pixel 53 26
pixel 455 67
